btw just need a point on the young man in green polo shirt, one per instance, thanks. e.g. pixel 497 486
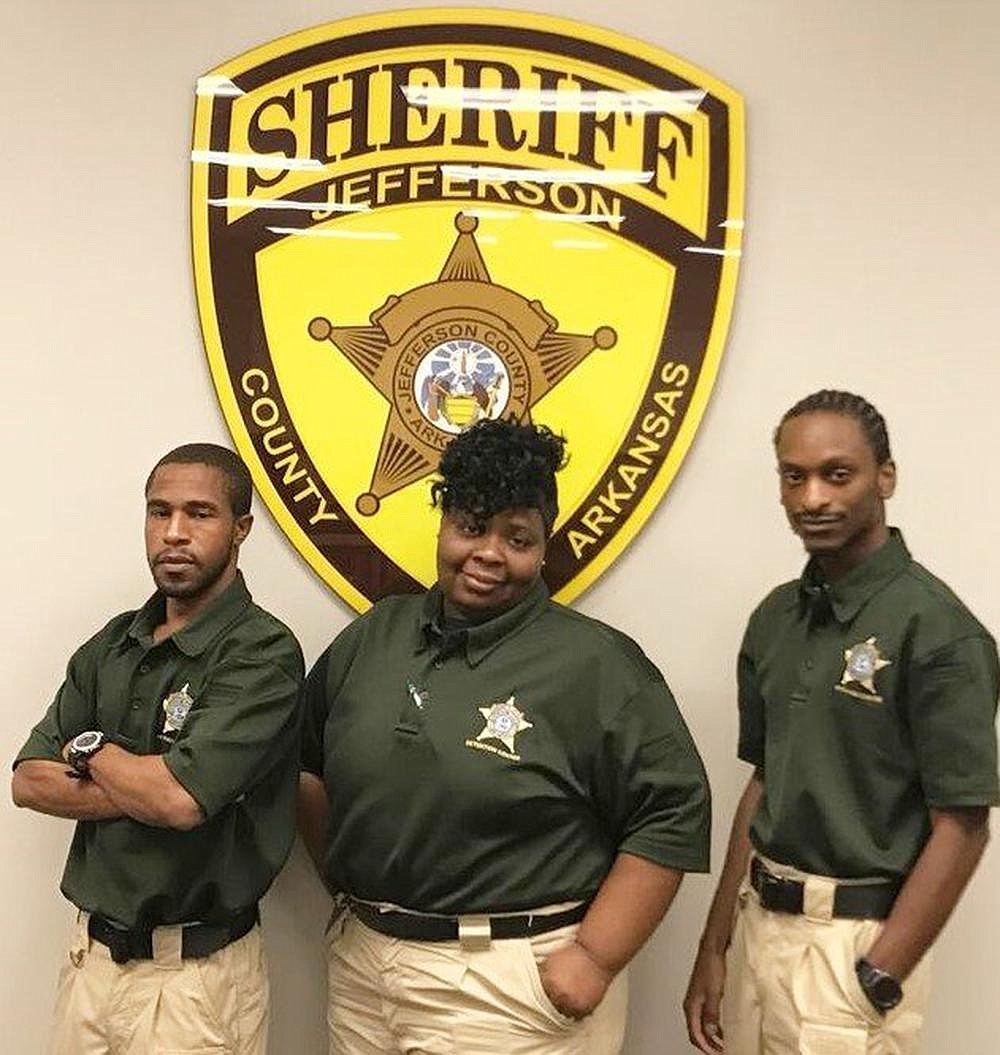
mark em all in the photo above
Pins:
pixel 867 696
pixel 173 744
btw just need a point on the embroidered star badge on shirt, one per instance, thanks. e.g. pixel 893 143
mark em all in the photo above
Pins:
pixel 176 707
pixel 861 663
pixel 503 722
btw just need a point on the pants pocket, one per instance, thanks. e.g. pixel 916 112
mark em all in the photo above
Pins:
pixel 538 990
pixel 823 980
pixel 217 996
pixel 77 1019
pixel 253 1010
pixel 819 1039
pixel 234 984
pixel 859 1002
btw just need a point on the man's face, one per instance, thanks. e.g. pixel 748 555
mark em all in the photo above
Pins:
pixel 832 489
pixel 487 566
pixel 192 536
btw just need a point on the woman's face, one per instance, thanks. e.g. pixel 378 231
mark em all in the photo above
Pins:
pixel 487 566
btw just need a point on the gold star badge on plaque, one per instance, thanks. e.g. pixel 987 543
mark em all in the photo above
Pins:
pixel 503 722
pixel 447 354
pixel 861 663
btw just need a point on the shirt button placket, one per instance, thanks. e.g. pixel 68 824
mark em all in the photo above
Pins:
pixel 137 727
pixel 806 678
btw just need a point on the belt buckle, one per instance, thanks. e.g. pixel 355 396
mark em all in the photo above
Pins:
pixel 774 891
pixel 766 880
pixel 474 934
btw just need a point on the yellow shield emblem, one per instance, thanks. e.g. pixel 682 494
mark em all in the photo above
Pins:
pixel 406 223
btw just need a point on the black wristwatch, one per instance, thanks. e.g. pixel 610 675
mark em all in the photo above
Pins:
pixel 82 748
pixel 883 991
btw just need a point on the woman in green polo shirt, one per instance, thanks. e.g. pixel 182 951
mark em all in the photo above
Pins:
pixel 502 789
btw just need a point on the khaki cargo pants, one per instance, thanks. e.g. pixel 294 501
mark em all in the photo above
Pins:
pixel 430 998
pixel 791 987
pixel 217 1005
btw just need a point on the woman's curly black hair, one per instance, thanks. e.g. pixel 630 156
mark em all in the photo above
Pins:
pixel 497 465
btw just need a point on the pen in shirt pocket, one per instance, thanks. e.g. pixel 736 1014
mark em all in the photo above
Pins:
pixel 412 717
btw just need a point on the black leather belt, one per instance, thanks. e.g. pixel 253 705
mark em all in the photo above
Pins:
pixel 850 900
pixel 414 927
pixel 197 939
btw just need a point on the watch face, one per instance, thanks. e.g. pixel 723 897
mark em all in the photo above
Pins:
pixel 86 741
pixel 886 991
pixel 880 987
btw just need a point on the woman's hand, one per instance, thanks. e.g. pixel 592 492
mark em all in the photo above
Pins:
pixel 573 980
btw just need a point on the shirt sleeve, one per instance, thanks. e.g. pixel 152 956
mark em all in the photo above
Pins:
pixel 73 711
pixel 651 784
pixel 952 710
pixel 244 724
pixel 751 705
pixel 320 691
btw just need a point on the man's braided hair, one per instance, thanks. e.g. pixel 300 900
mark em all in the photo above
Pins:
pixel 851 406
pixel 498 465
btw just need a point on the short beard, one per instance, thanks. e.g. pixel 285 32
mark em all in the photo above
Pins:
pixel 206 578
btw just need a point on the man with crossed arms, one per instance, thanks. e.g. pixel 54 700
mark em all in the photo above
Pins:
pixel 173 744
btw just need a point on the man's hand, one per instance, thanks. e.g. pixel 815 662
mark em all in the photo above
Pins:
pixel 704 995
pixel 708 976
pixel 574 981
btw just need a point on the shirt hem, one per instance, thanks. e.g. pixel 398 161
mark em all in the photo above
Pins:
pixel 679 863
pixel 34 758
pixel 182 775
pixel 989 799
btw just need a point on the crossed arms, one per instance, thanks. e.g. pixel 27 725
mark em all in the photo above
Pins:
pixel 122 785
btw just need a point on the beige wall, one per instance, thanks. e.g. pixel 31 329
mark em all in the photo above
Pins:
pixel 870 263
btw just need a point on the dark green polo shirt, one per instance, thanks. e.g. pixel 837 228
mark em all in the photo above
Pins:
pixel 236 753
pixel 498 768
pixel 868 701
